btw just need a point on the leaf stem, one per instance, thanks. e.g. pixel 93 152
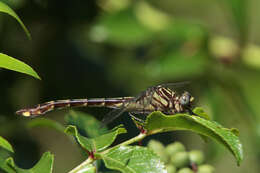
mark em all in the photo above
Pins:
pixel 91 159
pixel 82 165
pixel 130 141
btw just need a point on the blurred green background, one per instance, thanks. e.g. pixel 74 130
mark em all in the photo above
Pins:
pixel 109 48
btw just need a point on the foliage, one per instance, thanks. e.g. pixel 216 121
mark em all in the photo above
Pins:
pixel 9 62
pixel 43 166
pixel 120 47
pixel 6 9
pixel 16 65
pixel 123 157
pixel 5 144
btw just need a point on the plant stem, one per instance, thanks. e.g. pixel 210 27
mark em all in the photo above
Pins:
pixel 91 159
pixel 130 141
pixel 82 165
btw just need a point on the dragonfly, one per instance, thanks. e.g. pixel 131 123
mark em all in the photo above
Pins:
pixel 157 98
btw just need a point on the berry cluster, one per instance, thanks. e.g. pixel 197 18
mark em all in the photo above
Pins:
pixel 178 160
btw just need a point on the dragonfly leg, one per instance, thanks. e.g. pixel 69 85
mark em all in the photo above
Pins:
pixel 191 112
pixel 139 124
pixel 135 118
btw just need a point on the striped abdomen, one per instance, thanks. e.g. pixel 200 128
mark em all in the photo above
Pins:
pixel 59 104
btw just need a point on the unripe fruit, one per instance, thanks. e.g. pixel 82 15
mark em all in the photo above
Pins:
pixel 196 157
pixel 175 147
pixel 155 145
pixel 185 170
pixel 206 169
pixel 170 168
pixel 180 159
pixel 159 149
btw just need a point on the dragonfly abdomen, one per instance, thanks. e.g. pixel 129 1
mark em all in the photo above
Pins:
pixel 43 108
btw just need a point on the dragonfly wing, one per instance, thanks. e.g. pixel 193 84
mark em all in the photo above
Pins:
pixel 175 84
pixel 140 98
pixel 112 115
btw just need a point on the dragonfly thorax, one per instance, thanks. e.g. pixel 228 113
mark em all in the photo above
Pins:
pixel 162 99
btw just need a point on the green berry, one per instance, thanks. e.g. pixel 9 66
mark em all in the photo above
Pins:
pixel 185 170
pixel 158 149
pixel 170 169
pixel 175 147
pixel 196 157
pixel 155 145
pixel 180 159
pixel 205 169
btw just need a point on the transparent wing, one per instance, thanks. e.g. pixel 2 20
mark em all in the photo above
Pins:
pixel 175 85
pixel 112 115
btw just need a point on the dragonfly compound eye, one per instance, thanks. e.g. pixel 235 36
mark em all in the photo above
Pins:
pixel 186 98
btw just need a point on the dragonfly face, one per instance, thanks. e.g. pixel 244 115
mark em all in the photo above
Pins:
pixel 186 99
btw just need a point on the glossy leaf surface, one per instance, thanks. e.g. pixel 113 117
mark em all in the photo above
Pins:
pixel 158 122
pixel 11 63
pixel 86 169
pixel 5 144
pixel 133 159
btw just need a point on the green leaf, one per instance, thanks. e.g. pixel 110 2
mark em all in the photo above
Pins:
pixel 121 28
pixel 5 144
pixel 11 63
pixel 43 122
pixel 44 165
pixel 158 122
pixel 6 9
pixel 89 168
pixel 201 113
pixel 95 144
pixel 133 159
pixel 5 167
pixel 86 124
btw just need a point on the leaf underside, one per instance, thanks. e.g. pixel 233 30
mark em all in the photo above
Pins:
pixel 95 144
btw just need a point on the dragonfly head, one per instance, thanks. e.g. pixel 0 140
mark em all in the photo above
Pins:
pixel 186 99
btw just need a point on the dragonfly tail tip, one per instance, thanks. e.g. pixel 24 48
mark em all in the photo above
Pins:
pixel 23 112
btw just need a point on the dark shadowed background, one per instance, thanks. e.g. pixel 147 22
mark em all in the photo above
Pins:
pixel 109 48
